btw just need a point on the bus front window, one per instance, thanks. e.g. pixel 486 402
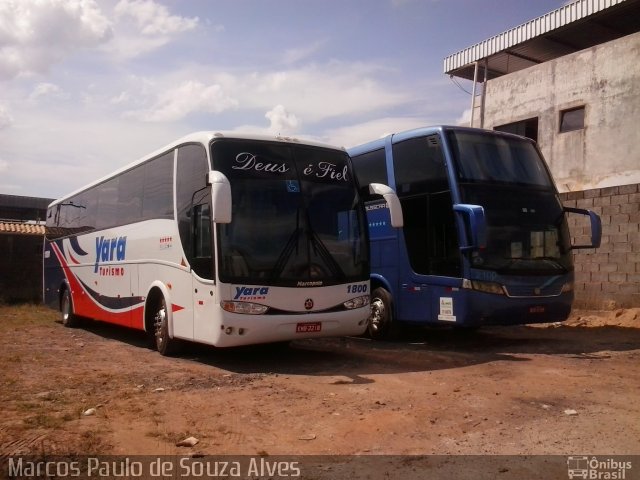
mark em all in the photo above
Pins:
pixel 296 216
pixel 507 177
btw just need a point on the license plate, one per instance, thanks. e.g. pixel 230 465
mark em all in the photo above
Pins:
pixel 308 327
pixel 536 309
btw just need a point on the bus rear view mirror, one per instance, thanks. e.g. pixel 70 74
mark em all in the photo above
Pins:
pixel 596 227
pixel 395 210
pixel 220 196
pixel 475 226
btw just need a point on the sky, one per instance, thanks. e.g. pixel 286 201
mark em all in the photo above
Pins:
pixel 88 86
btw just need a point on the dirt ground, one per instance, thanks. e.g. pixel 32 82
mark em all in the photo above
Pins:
pixel 552 389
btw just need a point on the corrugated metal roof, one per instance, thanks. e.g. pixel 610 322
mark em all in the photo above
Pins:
pixel 578 25
pixel 21 228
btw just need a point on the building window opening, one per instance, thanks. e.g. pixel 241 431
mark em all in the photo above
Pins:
pixel 572 119
pixel 526 128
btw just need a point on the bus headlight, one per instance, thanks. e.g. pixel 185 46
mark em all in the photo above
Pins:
pixel 487 287
pixel 567 287
pixel 244 307
pixel 357 302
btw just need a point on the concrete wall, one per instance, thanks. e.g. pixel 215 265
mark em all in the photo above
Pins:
pixel 606 80
pixel 608 277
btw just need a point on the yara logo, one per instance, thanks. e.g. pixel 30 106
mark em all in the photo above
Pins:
pixel 250 292
pixel 109 249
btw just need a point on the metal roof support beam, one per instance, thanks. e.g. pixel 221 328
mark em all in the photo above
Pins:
pixel 484 92
pixel 473 93
pixel 523 57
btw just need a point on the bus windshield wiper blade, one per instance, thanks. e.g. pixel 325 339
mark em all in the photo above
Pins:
pixel 286 253
pixel 326 255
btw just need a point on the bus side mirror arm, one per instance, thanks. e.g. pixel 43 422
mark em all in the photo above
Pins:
pixel 477 224
pixel 596 227
pixel 395 209
pixel 220 196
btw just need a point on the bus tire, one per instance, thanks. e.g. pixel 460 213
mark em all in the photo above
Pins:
pixel 68 317
pixel 163 343
pixel 380 322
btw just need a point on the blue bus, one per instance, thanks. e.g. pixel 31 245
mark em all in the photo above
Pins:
pixel 485 237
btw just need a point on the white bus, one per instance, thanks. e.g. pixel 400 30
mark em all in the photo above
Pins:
pixel 222 239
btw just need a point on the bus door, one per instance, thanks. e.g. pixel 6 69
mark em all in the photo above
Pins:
pixel 202 264
pixel 431 272
pixel 430 263
pixel 193 202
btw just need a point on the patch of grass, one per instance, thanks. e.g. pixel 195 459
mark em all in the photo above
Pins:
pixel 42 420
pixel 16 316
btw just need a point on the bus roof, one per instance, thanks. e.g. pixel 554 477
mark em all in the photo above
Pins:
pixel 417 132
pixel 203 137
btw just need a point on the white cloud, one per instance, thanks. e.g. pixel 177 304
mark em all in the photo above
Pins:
pixel 317 91
pixel 36 34
pixel 294 55
pixel 189 97
pixel 152 18
pixel 5 118
pixel 46 89
pixel 465 118
pixel 356 134
pixel 4 165
pixel 142 26
pixel 282 122
pixel 123 97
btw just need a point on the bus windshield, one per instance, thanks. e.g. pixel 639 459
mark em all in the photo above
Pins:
pixel 297 218
pixel 526 231
pixel 498 159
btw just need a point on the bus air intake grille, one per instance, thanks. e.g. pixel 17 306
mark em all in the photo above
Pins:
pixel 524 291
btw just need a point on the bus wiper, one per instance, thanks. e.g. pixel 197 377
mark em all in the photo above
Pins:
pixel 326 256
pixel 551 260
pixel 286 253
pixel 528 261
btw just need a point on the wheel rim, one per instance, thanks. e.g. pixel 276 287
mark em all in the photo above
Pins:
pixel 66 308
pixel 158 323
pixel 376 319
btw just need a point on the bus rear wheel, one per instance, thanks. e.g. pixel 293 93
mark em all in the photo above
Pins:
pixel 380 321
pixel 69 319
pixel 164 344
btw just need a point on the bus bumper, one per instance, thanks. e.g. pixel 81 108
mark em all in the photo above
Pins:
pixel 239 330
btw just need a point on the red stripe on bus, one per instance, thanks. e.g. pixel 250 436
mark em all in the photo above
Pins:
pixel 85 306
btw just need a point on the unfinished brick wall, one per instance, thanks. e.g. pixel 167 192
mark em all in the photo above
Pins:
pixel 607 277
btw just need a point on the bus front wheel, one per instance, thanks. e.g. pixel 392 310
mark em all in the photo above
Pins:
pixel 164 344
pixel 69 319
pixel 380 321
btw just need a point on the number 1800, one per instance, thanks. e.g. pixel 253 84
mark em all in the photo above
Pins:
pixel 357 288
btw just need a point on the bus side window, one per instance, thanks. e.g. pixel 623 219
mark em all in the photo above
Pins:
pixel 370 167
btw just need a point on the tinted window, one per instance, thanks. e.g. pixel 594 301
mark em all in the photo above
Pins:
pixel 130 196
pixel 297 219
pixel 370 167
pixel 429 223
pixel 107 203
pixel 418 164
pixel 142 193
pixel 158 188
pixel 193 215
pixel 491 158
